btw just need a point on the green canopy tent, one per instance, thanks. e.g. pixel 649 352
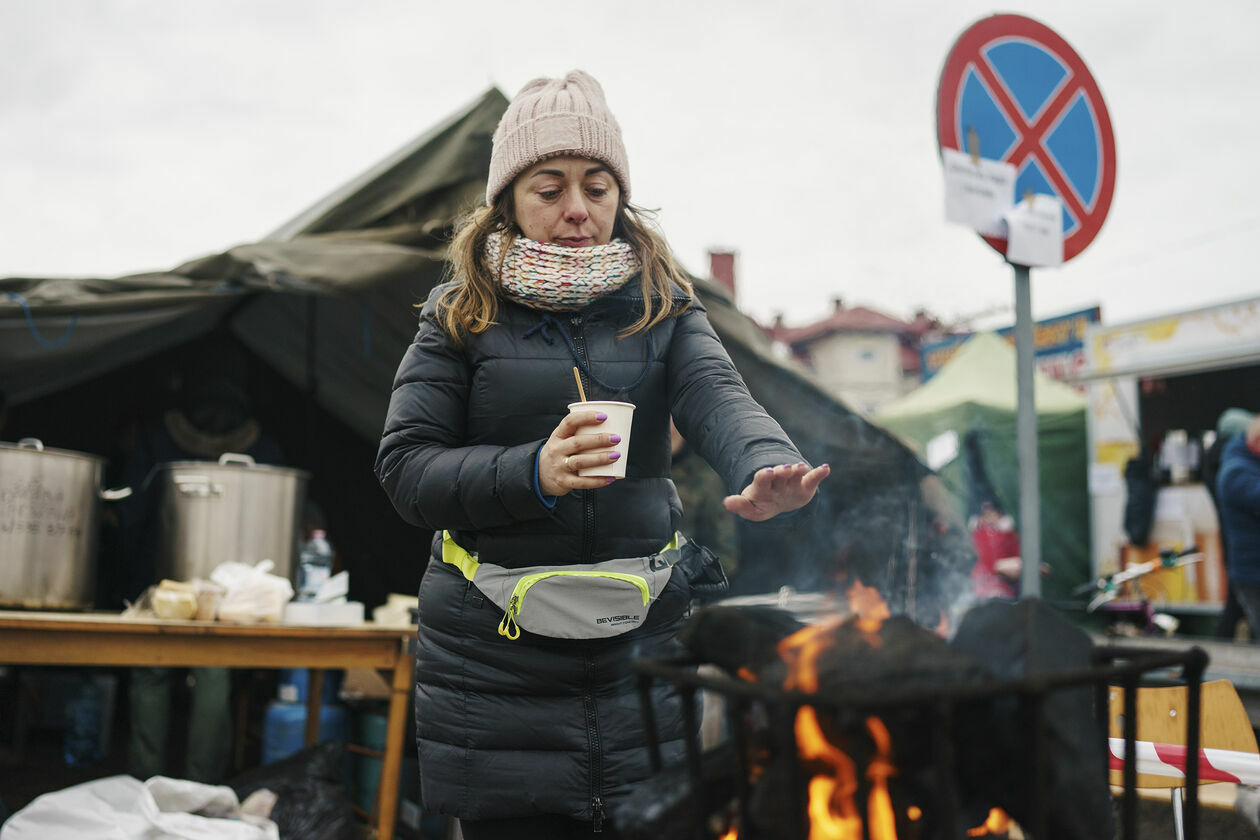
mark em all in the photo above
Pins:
pixel 971 401
pixel 326 306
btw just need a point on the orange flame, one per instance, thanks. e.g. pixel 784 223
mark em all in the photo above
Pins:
pixel 868 605
pixel 879 809
pixel 996 823
pixel 801 650
pixel 732 834
pixel 833 814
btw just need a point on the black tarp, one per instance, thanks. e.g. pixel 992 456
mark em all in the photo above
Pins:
pixel 326 305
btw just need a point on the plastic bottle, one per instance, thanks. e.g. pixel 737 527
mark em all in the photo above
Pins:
pixel 314 565
pixel 82 747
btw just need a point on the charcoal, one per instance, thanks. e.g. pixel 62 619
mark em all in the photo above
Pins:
pixel 738 637
pixel 901 657
pixel 664 807
pixel 1018 641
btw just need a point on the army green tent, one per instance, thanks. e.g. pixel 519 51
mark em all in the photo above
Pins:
pixel 325 305
pixel 971 404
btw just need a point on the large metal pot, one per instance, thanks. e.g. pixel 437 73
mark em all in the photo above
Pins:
pixel 230 510
pixel 49 516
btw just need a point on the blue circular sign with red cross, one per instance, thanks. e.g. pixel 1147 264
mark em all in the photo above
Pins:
pixel 1013 90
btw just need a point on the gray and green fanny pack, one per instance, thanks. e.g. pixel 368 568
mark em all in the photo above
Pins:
pixel 584 601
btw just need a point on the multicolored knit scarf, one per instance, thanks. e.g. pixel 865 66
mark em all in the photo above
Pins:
pixel 555 278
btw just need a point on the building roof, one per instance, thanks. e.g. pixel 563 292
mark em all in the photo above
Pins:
pixel 855 319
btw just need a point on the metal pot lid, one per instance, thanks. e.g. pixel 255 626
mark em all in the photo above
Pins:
pixel 235 461
pixel 36 446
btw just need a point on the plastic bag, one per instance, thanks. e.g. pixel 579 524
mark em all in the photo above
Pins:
pixel 311 798
pixel 251 594
pixel 121 807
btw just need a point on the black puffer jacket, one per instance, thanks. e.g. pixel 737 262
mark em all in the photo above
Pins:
pixel 536 725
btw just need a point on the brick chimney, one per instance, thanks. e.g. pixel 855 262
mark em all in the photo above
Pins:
pixel 722 269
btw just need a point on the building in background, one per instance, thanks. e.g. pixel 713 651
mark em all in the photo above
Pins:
pixel 864 357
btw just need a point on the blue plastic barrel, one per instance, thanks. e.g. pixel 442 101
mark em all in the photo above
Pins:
pixel 284 728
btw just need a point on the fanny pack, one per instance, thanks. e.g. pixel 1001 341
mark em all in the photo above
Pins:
pixel 584 601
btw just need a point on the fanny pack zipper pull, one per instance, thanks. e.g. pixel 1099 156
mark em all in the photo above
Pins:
pixel 597 813
pixel 508 626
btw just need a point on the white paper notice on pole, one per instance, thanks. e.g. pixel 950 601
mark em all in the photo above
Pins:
pixel 977 195
pixel 1035 231
pixel 942 449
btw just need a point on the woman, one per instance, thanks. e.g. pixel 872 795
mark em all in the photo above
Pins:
pixel 527 720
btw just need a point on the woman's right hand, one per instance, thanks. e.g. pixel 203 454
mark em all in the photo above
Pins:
pixel 569 449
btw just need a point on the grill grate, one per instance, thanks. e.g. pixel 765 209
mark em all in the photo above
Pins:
pixel 1125 667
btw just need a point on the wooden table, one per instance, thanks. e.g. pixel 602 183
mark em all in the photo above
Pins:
pixel 41 638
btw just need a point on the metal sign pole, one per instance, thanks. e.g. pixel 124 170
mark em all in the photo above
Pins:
pixel 1026 440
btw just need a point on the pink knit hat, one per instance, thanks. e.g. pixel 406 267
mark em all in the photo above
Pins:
pixel 554 117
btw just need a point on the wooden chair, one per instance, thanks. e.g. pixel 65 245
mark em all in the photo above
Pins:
pixel 1224 725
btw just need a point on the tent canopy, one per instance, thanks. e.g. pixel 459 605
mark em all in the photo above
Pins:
pixel 973 399
pixel 982 373
pixel 327 303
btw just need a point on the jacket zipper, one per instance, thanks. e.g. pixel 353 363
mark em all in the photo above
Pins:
pixel 596 748
pixel 588 497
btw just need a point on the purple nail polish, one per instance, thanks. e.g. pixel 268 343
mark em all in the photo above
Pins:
pixel 614 455
pixel 614 438
pixel 601 417
pixel 610 479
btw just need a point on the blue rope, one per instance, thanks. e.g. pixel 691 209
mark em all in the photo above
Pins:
pixel 30 323
pixel 549 321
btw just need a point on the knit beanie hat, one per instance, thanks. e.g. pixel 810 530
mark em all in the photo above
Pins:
pixel 554 117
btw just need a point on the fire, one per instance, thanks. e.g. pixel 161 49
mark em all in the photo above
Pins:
pixel 801 649
pixel 879 808
pixel 996 823
pixel 868 605
pixel 731 834
pixel 833 813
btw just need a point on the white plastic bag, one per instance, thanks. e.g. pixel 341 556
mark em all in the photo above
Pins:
pixel 124 808
pixel 251 594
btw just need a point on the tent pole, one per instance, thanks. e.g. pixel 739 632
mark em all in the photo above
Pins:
pixel 1026 440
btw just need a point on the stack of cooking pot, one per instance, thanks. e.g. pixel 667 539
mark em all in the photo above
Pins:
pixel 49 516
pixel 234 510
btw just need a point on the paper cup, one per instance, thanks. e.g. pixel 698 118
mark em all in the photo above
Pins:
pixel 620 417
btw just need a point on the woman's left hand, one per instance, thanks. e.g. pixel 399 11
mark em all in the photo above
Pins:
pixel 776 490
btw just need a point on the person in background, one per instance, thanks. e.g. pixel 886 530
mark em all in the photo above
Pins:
pixel 704 518
pixel 1232 423
pixel 1238 489
pixel 998 563
pixel 212 415
pixel 535 731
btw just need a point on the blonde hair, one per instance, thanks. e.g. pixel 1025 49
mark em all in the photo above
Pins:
pixel 472 304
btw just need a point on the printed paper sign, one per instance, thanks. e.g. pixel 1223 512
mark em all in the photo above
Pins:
pixel 942 449
pixel 977 195
pixel 1035 231
pixel 1104 479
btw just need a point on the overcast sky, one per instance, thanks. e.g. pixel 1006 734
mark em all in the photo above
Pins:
pixel 137 134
